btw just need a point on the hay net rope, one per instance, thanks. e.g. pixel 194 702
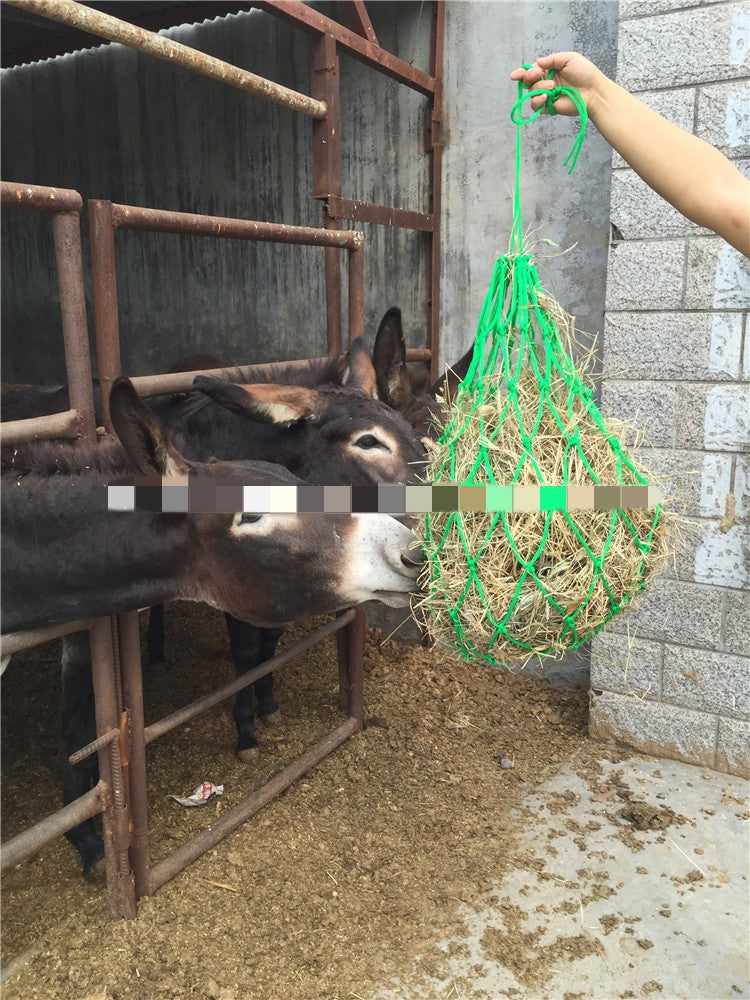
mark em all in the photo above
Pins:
pixel 524 415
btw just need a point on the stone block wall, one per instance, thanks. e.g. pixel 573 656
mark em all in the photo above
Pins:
pixel 673 677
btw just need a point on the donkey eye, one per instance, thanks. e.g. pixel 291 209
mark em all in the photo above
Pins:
pixel 251 518
pixel 368 441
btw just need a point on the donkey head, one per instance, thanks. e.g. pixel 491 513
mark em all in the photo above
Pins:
pixel 333 433
pixel 407 391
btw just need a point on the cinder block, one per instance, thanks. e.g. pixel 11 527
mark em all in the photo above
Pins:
pixel 727 418
pixel 733 749
pixel 687 539
pixel 650 407
pixel 723 117
pixel 640 213
pixel 654 728
pixel 737 622
pixel 684 47
pixel 646 275
pixel 675 611
pixel 676 106
pixel 709 682
pixel 741 489
pixel 717 277
pixel 681 475
pixel 716 483
pixel 626 664
pixel 672 345
pixel 642 8
pixel 722 558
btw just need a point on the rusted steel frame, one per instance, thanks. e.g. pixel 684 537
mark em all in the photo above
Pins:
pixel 187 853
pixel 42 199
pixel 132 695
pixel 157 220
pixel 96 22
pixel 381 215
pixel 54 425
pixel 54 826
pixel 120 885
pixel 437 40
pixel 356 294
pixel 104 288
pixel 350 647
pixel 325 85
pixel 14 642
pixel 359 20
pixel 189 712
pixel 309 19
pixel 94 747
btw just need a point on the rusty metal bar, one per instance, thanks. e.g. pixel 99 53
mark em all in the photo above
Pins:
pixel 187 853
pixel 186 223
pixel 104 286
pixel 94 747
pixel 132 696
pixel 96 22
pixel 66 233
pixel 41 199
pixel 54 425
pixel 437 39
pixel 115 816
pixel 359 20
pixel 356 294
pixel 185 714
pixel 357 634
pixel 311 20
pixel 54 826
pixel 382 215
pixel 14 642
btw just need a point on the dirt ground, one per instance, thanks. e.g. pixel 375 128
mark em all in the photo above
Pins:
pixel 337 885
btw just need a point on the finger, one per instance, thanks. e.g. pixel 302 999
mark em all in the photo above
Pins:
pixel 558 60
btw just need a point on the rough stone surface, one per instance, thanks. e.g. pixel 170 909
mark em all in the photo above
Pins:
pixel 723 117
pixel 696 484
pixel 625 664
pixel 733 749
pixel 723 557
pixel 711 682
pixel 727 418
pixel 654 727
pixel 737 622
pixel 715 486
pixel 672 345
pixel 650 406
pixel 646 275
pixel 640 213
pixel 718 276
pixel 741 489
pixel 675 611
pixel 646 8
pixel 684 47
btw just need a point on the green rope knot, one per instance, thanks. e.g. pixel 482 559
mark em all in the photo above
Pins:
pixel 516 114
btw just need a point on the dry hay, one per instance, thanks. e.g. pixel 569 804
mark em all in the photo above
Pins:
pixel 477 616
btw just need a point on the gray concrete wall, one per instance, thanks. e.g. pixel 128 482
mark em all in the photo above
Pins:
pixel 674 678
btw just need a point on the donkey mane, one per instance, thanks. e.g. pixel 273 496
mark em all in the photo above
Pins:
pixel 49 458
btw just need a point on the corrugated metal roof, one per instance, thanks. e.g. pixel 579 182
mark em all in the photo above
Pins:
pixel 28 38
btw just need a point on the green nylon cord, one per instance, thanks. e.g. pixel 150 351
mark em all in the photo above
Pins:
pixel 513 322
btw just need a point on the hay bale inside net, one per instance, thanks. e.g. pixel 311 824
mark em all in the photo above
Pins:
pixel 508 586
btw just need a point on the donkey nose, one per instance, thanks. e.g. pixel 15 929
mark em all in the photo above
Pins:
pixel 413 555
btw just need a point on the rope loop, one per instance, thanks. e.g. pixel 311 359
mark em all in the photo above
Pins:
pixel 516 114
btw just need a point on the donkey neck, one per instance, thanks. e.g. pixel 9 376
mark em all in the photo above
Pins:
pixel 65 556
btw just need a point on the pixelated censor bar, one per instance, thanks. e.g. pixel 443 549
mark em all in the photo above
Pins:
pixel 212 498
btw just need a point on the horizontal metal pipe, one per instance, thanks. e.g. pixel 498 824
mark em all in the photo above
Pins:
pixel 102 741
pixel 183 715
pixel 187 853
pixel 41 199
pixel 382 215
pixel 54 425
pixel 54 826
pixel 158 220
pixel 14 642
pixel 96 22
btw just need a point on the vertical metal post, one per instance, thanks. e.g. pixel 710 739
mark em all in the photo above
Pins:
pixel 356 262
pixel 66 234
pixel 357 633
pixel 104 283
pixel 115 817
pixel 327 171
pixel 437 37
pixel 342 654
pixel 132 693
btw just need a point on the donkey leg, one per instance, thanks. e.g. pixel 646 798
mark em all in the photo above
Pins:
pixel 155 637
pixel 268 709
pixel 244 641
pixel 78 729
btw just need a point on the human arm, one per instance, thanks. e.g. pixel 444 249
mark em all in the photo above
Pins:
pixel 689 173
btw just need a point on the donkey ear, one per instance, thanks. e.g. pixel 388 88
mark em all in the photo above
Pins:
pixel 270 404
pixel 142 436
pixel 361 373
pixel 389 359
pixel 450 380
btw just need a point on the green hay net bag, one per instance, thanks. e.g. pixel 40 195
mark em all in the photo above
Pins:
pixel 569 531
